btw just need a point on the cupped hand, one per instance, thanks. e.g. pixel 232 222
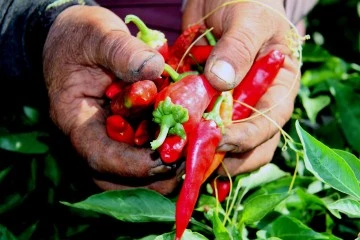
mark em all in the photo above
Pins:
pixel 246 31
pixel 86 49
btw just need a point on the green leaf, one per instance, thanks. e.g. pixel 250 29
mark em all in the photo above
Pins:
pixel 133 205
pixel 348 111
pixel 31 114
pixel 267 173
pixel 5 234
pixel 333 68
pixel 27 143
pixel 4 173
pixel 259 206
pixel 328 166
pixel 288 228
pixel 352 160
pixel 188 235
pixel 314 105
pixel 350 207
pixel 10 202
pixel 314 53
pixel 219 229
pixel 52 170
pixel 206 202
pixel 28 232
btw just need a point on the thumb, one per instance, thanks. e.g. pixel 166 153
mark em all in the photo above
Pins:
pixel 242 36
pixel 117 50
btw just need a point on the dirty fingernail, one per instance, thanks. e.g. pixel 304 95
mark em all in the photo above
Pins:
pixel 224 71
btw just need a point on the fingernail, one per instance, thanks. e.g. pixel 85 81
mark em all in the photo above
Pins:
pixel 224 71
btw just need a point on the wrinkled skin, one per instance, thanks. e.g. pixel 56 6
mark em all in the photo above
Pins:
pixel 87 47
pixel 245 32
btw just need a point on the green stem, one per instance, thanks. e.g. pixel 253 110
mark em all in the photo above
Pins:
pixel 173 74
pixel 214 114
pixel 145 31
pixel 210 38
pixel 167 122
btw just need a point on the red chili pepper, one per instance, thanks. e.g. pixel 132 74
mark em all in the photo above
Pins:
pixel 172 149
pixel 133 98
pixel 221 188
pixel 153 38
pixel 114 88
pixel 201 149
pixel 256 82
pixel 180 46
pixel 142 134
pixel 193 93
pixel 199 54
pixel 118 129
pixel 161 83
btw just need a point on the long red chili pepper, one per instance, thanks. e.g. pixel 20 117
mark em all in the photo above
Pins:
pixel 118 129
pixel 201 149
pixel 193 93
pixel 180 46
pixel 133 98
pixel 256 82
pixel 153 38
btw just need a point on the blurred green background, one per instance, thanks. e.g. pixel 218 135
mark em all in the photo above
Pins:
pixel 38 167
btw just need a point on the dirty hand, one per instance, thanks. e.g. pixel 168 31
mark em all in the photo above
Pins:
pixel 247 31
pixel 86 49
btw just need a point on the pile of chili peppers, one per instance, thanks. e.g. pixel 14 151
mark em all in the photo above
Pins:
pixel 180 115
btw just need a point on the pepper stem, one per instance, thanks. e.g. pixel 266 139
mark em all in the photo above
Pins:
pixel 170 117
pixel 214 114
pixel 175 76
pixel 139 24
pixel 151 37
pixel 210 38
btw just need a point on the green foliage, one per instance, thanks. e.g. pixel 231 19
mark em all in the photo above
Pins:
pixel 310 190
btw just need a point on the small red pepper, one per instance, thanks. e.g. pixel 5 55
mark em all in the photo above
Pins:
pixel 133 98
pixel 256 82
pixel 201 149
pixel 118 129
pixel 199 54
pixel 221 188
pixel 142 134
pixel 114 88
pixel 153 38
pixel 171 149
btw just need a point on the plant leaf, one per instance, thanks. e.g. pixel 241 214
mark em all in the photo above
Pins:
pixel 348 117
pixel 27 143
pixel 133 205
pixel 188 235
pixel 219 229
pixel 5 234
pixel 328 166
pixel 314 53
pixel 352 160
pixel 259 206
pixel 350 207
pixel 314 105
pixel 288 228
pixel 267 173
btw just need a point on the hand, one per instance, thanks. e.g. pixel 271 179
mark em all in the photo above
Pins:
pixel 245 32
pixel 86 48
